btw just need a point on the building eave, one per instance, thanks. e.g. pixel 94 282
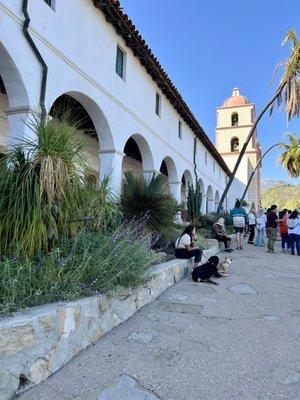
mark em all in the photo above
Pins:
pixel 124 27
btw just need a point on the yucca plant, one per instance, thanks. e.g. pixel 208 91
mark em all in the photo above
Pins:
pixel 40 186
pixel 142 197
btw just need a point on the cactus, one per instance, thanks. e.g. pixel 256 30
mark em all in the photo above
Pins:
pixel 194 200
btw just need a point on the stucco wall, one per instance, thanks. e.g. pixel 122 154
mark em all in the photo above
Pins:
pixel 81 63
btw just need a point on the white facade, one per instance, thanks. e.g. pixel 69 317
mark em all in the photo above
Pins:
pixel 79 47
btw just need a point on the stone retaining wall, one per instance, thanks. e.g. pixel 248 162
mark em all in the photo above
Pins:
pixel 37 342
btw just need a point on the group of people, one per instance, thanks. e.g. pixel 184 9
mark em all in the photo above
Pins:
pixel 265 223
pixel 256 224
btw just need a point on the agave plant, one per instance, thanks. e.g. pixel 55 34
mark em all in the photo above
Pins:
pixel 150 197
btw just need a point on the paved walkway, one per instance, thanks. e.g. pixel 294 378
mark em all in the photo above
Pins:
pixel 236 341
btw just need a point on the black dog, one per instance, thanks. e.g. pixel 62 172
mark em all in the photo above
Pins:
pixel 206 272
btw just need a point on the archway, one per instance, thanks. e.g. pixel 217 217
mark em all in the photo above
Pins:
pixel 168 170
pixel 209 200
pixel 202 190
pixel 185 181
pixel 13 94
pixel 217 200
pixel 68 107
pixel 138 157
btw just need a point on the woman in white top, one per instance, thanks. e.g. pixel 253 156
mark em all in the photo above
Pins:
pixel 185 245
pixel 251 225
pixel 294 231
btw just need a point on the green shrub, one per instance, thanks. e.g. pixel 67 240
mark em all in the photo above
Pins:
pixel 142 197
pixel 88 264
pixel 44 193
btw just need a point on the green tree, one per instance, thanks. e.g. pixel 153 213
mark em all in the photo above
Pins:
pixel 290 158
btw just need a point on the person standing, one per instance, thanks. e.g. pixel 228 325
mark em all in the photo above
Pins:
pixel 272 223
pixel 261 220
pixel 251 225
pixel 239 220
pixel 294 231
pixel 283 229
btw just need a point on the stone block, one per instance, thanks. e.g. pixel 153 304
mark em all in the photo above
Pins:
pixel 8 384
pixel 40 370
pixel 68 318
pixel 15 339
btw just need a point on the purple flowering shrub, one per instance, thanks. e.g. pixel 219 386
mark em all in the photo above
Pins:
pixel 90 263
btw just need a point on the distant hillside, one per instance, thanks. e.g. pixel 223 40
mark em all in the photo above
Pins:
pixel 269 183
pixel 283 194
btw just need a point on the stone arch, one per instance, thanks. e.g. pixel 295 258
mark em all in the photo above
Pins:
pixel 13 82
pixel 185 180
pixel 169 164
pixel 169 171
pixel 209 199
pixel 217 200
pixel 13 96
pixel 234 119
pixel 100 122
pixel 138 156
pixel 93 128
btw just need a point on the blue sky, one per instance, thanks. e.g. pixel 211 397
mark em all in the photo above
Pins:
pixel 209 47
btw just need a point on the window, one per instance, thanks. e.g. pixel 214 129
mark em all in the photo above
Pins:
pixel 50 3
pixel 234 119
pixel 235 144
pixel 180 129
pixel 205 155
pixel 120 62
pixel 157 104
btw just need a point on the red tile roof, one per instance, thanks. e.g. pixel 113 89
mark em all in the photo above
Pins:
pixel 133 39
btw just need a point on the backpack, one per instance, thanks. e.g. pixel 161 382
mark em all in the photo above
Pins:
pixel 239 221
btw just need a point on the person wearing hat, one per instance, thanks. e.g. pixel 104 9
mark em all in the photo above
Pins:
pixel 219 233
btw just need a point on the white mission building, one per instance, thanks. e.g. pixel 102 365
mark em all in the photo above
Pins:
pixel 87 55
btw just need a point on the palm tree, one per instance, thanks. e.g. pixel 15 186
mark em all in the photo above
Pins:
pixel 290 158
pixel 289 86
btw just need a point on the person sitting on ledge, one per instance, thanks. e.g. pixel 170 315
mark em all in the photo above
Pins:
pixel 219 233
pixel 185 247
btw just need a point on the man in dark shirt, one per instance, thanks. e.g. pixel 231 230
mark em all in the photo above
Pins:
pixel 272 221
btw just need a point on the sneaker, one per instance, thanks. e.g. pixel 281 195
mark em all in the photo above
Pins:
pixel 231 250
pixel 227 251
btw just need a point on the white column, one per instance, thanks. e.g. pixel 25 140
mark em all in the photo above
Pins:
pixel 175 190
pixel 203 204
pixel 19 123
pixel 111 165
pixel 148 173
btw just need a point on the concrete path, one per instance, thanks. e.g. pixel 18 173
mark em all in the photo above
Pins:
pixel 236 341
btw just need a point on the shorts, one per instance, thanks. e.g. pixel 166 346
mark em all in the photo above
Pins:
pixel 238 229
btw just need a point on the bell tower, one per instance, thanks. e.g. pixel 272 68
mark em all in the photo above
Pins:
pixel 234 121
